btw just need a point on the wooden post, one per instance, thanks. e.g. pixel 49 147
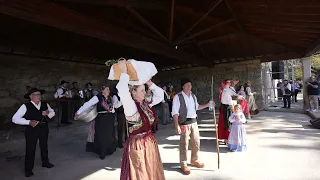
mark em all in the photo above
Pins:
pixel 215 125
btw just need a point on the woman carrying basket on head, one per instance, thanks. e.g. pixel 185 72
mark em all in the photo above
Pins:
pixel 141 159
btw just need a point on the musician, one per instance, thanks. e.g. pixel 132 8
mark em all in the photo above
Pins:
pixel 64 95
pixel 76 98
pixel 89 92
pixel 34 114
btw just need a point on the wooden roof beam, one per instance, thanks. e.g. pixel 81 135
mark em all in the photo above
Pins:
pixel 171 20
pixel 206 30
pixel 117 3
pixel 213 6
pixel 50 14
pixel 144 21
pixel 313 48
pixel 219 38
pixel 234 15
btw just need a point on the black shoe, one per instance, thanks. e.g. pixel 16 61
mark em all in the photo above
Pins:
pixel 47 165
pixel 29 173
pixel 120 145
pixel 102 157
pixel 284 107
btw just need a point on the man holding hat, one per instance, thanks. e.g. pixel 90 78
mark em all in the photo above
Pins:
pixel 34 115
pixel 184 112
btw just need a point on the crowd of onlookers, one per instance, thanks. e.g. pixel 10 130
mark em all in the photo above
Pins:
pixel 288 91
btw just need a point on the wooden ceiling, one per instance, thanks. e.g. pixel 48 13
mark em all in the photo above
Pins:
pixel 170 33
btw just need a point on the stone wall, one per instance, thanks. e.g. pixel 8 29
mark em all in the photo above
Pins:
pixel 201 78
pixel 17 72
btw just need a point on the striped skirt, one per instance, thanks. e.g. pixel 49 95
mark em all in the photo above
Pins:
pixel 141 159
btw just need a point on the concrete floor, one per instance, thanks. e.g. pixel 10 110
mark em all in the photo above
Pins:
pixel 281 146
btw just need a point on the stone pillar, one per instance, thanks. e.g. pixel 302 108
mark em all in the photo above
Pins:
pixel 306 70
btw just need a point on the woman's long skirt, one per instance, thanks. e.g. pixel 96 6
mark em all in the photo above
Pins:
pixel 238 138
pixel 223 124
pixel 141 159
pixel 104 138
pixel 253 108
pixel 90 139
pixel 245 106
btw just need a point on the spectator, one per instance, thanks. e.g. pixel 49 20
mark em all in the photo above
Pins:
pixel 313 93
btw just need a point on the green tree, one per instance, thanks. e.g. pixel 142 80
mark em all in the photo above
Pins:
pixel 316 65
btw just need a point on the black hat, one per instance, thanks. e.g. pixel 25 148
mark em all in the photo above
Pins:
pixel 63 81
pixel 184 81
pixel 88 84
pixel 32 90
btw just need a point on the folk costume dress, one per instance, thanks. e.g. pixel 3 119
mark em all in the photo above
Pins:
pixel 104 140
pixel 244 103
pixel 225 111
pixel 238 138
pixel 141 159
pixel 253 108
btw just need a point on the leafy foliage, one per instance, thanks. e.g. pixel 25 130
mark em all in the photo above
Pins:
pixel 111 62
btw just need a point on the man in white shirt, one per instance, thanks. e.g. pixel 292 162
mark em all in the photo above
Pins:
pixel 64 96
pixel 184 112
pixel 287 95
pixel 34 115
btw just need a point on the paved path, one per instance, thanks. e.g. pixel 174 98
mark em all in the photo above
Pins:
pixel 281 146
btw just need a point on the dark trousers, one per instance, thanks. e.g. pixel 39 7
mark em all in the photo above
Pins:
pixel 64 108
pixel 75 105
pixel 287 101
pixel 122 128
pixel 32 135
pixel 296 94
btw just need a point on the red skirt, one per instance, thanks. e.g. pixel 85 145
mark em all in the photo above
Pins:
pixel 223 128
pixel 245 106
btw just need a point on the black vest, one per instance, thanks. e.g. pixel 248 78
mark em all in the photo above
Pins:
pixel 119 110
pixel 34 114
pixel 100 107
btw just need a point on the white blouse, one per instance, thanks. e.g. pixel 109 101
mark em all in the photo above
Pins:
pixel 128 103
pixel 94 100
pixel 226 97
pixel 248 89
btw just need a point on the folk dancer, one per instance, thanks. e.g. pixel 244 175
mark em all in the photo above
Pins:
pixel 88 93
pixel 34 115
pixel 122 126
pixel 165 115
pixel 64 96
pixel 237 140
pixel 226 94
pixel 76 99
pixel 184 112
pixel 253 108
pixel 141 157
pixel 104 140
